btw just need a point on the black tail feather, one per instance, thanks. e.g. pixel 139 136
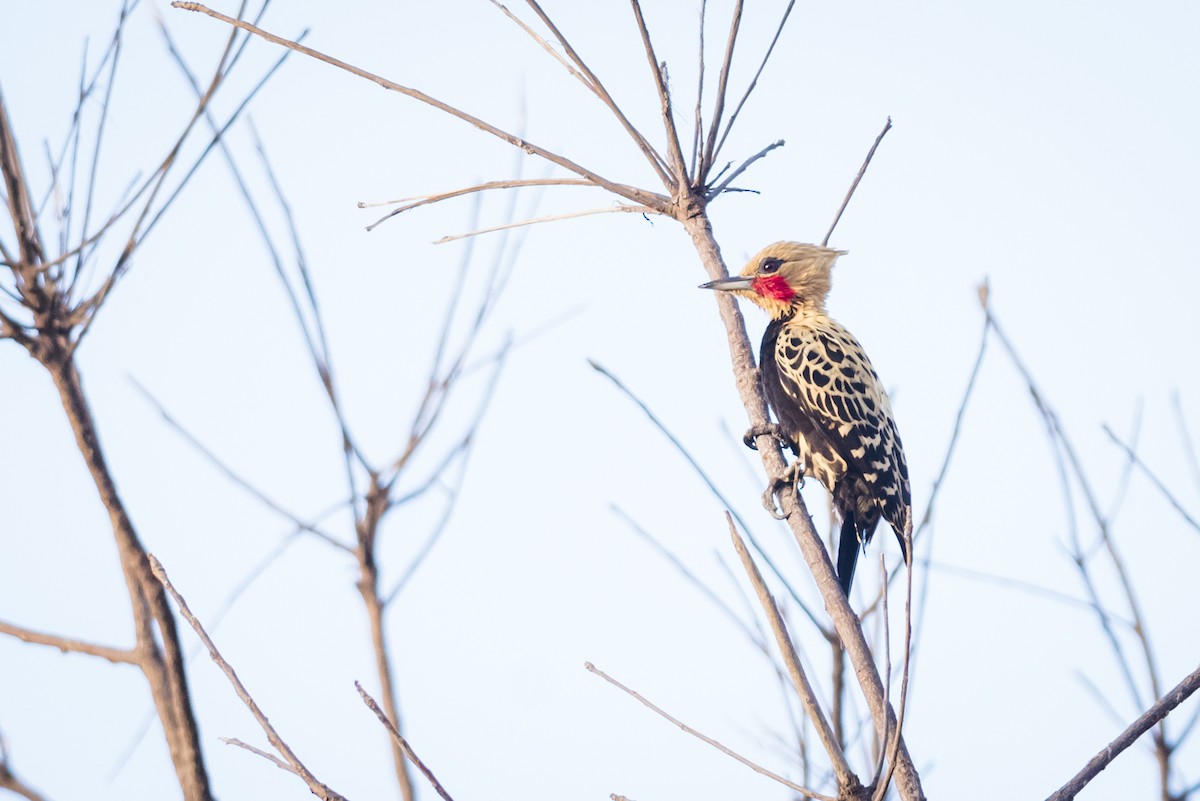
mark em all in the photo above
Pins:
pixel 848 548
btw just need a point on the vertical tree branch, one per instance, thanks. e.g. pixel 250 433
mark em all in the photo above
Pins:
pixel 159 654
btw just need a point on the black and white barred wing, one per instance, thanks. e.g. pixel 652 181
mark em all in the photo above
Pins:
pixel 824 370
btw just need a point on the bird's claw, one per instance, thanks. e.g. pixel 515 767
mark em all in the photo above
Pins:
pixel 793 476
pixel 754 432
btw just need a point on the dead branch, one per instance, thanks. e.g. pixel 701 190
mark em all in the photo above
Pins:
pixel 787 12
pixel 118 656
pixel 848 784
pixel 402 743
pixel 282 748
pixel 1152 716
pixel 857 179
pixel 410 203
pixel 804 791
pixel 653 200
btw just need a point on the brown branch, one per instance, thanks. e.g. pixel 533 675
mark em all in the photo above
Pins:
pixel 698 128
pixel 714 743
pixel 848 784
pixel 283 749
pixel 658 70
pixel 402 743
pixel 710 146
pixel 583 73
pixel 160 655
pixel 724 185
pixel 424 200
pixel 651 199
pixel 1152 716
pixel 857 178
pixel 787 12
pixel 118 656
pixel 274 760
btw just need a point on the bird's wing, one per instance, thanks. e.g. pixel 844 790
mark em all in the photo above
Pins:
pixel 824 370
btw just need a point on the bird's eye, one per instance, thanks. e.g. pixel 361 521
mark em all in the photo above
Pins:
pixel 770 265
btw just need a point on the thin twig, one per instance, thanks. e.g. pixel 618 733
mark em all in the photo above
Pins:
pixel 1123 482
pixel 279 763
pixel 787 12
pixel 229 473
pixel 118 656
pixel 678 171
pixel 710 146
pixel 1166 493
pixel 857 178
pixel 692 578
pixel 720 747
pixel 424 200
pixel 620 207
pixel 1173 698
pixel 712 487
pixel 403 743
pixel 593 83
pixel 724 185
pixel 1023 586
pixel 698 128
pixel 315 785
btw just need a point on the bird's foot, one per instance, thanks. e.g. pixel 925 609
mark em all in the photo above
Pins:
pixel 770 429
pixel 792 477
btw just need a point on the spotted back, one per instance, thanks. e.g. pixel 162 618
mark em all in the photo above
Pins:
pixel 829 400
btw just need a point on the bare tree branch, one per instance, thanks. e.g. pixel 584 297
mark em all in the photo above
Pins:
pixel 583 73
pixel 424 200
pixel 282 748
pixel 710 147
pixel 857 178
pixel 402 743
pixel 804 791
pixel 639 196
pixel 1152 716
pixel 118 656
pixel 848 784
pixel 716 492
pixel 787 12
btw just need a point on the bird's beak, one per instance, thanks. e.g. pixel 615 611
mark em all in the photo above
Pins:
pixel 732 282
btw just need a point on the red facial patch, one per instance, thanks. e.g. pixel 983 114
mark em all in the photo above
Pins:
pixel 773 286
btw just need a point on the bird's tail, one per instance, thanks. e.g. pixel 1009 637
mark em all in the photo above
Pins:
pixel 848 548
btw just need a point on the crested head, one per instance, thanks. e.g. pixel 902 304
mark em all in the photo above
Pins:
pixel 785 276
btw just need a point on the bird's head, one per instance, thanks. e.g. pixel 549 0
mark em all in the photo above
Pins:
pixel 784 276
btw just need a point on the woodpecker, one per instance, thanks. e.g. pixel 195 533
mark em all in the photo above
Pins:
pixel 832 410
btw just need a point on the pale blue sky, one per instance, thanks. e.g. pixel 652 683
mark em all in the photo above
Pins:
pixel 1047 147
